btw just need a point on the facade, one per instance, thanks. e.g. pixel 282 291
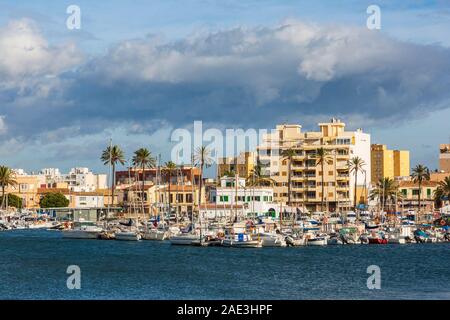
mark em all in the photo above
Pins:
pixel 388 163
pixel 27 188
pixel 444 158
pixel 241 165
pixel 255 200
pixel 410 195
pixel 183 175
pixel 76 199
pixel 77 180
pixel 183 199
pixel 306 174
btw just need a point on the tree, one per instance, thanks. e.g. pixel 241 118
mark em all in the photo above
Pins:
pixel 288 154
pixel 256 178
pixel 7 178
pixel 356 165
pixel 442 192
pixel 322 157
pixel 385 189
pixel 143 158
pixel 229 173
pixel 420 173
pixel 113 155
pixel 54 200
pixel 202 159
pixel 169 169
pixel 13 201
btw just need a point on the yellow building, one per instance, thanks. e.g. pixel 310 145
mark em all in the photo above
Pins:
pixel 410 195
pixel 27 188
pixel 241 165
pixel 387 163
pixel 306 174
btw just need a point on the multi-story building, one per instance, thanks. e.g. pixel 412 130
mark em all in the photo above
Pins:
pixel 254 200
pixel 388 163
pixel 76 199
pixel 26 188
pixel 242 165
pixel 410 195
pixel 306 173
pixel 183 175
pixel 444 158
pixel 77 180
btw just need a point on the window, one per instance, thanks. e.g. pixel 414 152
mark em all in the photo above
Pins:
pixel 284 162
pixel 428 193
pixel 415 192
pixel 284 174
pixel 330 173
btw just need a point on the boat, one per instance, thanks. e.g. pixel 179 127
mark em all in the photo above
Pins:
pixel 207 241
pixel 335 239
pixel 128 236
pixel 272 239
pixel 377 238
pixel 241 240
pixel 183 239
pixel 82 230
pixel 317 241
pixel 156 234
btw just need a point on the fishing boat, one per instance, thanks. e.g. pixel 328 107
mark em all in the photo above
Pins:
pixel 377 238
pixel 241 240
pixel 82 230
pixel 156 234
pixel 334 239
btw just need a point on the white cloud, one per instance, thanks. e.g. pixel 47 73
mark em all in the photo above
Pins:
pixel 3 127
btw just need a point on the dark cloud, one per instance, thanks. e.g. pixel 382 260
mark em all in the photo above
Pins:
pixel 240 77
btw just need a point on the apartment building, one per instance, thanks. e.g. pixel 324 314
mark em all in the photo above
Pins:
pixel 78 179
pixel 242 165
pixel 410 195
pixel 306 174
pixel 387 163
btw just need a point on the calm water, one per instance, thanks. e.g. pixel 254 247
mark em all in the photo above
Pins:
pixel 33 266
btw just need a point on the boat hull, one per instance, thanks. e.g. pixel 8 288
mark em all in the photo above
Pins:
pixel 377 241
pixel 128 236
pixel 80 234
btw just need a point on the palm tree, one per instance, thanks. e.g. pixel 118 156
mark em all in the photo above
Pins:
pixel 443 190
pixel 420 174
pixel 143 158
pixel 7 178
pixel 202 159
pixel 322 157
pixel 257 178
pixel 169 169
pixel 113 155
pixel 385 189
pixel 288 154
pixel 356 165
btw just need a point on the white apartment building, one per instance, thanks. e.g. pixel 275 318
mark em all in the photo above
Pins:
pixel 78 179
pixel 252 200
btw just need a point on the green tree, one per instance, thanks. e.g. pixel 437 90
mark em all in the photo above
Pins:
pixel 385 190
pixel 143 158
pixel 13 201
pixel 7 178
pixel 256 178
pixel 420 173
pixel 322 156
pixel 113 155
pixel 443 190
pixel 54 200
pixel 289 154
pixel 356 165
pixel 202 159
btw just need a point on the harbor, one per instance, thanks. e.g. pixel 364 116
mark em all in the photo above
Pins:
pixel 34 264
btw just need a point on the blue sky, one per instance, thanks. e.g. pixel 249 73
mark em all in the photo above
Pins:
pixel 138 69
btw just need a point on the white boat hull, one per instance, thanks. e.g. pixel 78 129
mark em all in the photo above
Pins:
pixel 318 242
pixel 80 234
pixel 156 235
pixel 183 240
pixel 128 236
pixel 242 244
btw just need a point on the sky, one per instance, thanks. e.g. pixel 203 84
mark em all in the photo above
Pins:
pixel 137 70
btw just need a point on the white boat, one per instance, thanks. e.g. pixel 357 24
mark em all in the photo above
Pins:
pixel 183 239
pixel 82 230
pixel 128 236
pixel 241 241
pixel 271 240
pixel 156 234
pixel 317 241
